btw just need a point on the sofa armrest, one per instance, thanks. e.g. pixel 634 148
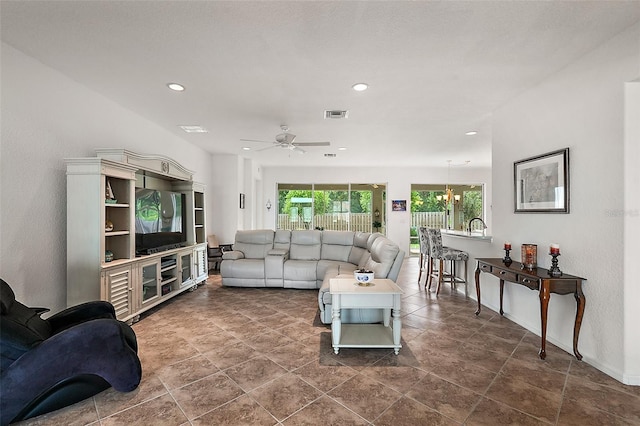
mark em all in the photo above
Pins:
pixel 232 255
pixel 279 252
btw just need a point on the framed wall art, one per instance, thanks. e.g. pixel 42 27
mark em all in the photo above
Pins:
pixel 399 205
pixel 541 184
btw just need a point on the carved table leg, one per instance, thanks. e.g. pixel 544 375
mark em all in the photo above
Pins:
pixel 478 288
pixel 397 324
pixel 544 306
pixel 336 324
pixel 580 299
pixel 501 294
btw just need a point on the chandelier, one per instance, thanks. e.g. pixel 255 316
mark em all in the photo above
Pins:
pixel 449 197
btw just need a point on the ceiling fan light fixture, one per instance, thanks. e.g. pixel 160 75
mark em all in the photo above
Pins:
pixel 246 148
pixel 360 87
pixel 471 133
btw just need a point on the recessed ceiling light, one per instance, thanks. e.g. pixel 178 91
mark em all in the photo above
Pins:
pixel 194 129
pixel 175 86
pixel 246 148
pixel 342 148
pixel 360 87
pixel 471 133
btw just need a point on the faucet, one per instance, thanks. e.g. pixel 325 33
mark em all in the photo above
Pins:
pixel 484 225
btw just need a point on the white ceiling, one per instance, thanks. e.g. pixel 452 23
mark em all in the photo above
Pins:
pixel 436 69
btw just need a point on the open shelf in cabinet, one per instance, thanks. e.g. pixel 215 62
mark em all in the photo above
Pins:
pixel 168 273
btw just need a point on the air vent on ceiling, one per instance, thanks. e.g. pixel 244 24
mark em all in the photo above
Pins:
pixel 330 155
pixel 336 113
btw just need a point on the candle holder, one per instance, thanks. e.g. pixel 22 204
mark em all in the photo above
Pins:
pixel 529 256
pixel 507 260
pixel 554 271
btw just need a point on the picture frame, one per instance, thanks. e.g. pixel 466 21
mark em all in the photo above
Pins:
pixel 241 200
pixel 541 183
pixel 399 205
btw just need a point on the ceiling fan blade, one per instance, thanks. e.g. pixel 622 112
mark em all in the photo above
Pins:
pixel 269 147
pixel 312 143
pixel 254 140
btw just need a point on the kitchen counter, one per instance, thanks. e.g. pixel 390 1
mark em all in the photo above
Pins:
pixel 475 235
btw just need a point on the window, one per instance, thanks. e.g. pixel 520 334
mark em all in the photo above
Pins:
pixel 429 208
pixel 340 207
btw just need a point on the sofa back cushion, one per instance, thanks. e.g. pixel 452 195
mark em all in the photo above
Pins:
pixel 255 244
pixel 305 245
pixel 359 249
pixel 282 239
pixel 383 254
pixel 336 245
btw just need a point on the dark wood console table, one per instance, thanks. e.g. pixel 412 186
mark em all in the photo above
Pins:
pixel 536 279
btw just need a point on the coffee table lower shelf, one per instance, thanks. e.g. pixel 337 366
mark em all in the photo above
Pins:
pixel 366 336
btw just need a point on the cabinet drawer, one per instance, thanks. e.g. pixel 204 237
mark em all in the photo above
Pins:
pixel 504 275
pixel 532 283
pixel 485 268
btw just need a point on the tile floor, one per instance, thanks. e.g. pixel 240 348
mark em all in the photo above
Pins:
pixel 237 356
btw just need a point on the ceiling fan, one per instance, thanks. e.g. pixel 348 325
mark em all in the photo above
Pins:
pixel 287 140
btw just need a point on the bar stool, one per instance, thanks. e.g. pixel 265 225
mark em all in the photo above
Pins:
pixel 424 253
pixel 442 254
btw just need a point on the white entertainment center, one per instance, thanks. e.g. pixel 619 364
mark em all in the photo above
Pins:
pixel 102 263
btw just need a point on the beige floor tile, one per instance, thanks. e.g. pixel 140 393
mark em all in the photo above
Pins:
pixel 199 397
pixel 325 411
pixel 365 396
pixel 285 395
pixel 162 410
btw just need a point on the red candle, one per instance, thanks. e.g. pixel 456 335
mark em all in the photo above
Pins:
pixel 507 245
pixel 554 249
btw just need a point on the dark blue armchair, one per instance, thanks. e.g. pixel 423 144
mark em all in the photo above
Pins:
pixel 47 364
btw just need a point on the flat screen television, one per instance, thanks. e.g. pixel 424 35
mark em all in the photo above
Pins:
pixel 160 221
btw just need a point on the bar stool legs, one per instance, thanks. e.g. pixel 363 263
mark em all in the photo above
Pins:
pixel 437 251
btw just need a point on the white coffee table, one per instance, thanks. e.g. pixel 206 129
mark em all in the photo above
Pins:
pixel 380 294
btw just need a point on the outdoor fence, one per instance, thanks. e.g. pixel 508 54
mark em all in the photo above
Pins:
pixel 361 222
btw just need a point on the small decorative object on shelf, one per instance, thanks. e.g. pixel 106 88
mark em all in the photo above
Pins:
pixel 529 256
pixel 108 226
pixel 507 260
pixel 109 193
pixel 108 256
pixel 554 251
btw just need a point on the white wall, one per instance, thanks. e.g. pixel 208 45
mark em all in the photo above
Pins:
pixel 632 233
pixel 46 118
pixel 581 107
pixel 398 181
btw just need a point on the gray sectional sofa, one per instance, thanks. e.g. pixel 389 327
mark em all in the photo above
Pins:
pixel 307 260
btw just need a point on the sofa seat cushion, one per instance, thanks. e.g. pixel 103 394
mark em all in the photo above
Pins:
pixel 300 270
pixel 243 268
pixel 329 269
